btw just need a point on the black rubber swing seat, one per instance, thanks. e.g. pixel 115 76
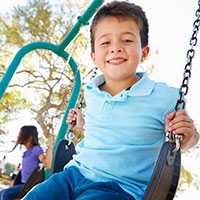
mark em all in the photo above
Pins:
pixel 165 177
pixel 64 153
pixel 36 177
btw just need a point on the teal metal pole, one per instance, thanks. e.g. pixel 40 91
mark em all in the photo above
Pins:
pixel 59 50
pixel 82 20
pixel 17 59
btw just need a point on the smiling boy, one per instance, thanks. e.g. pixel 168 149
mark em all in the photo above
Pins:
pixel 126 116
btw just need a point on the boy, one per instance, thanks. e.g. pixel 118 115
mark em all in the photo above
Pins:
pixel 125 118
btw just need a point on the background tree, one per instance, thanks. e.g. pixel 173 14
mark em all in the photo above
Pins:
pixel 9 168
pixel 46 79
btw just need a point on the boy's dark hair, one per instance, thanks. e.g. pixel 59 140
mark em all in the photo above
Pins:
pixel 26 132
pixel 122 9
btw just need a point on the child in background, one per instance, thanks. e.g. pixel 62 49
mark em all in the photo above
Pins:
pixel 126 116
pixel 32 157
pixel 15 173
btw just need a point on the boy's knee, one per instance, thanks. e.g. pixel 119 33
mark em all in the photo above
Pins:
pixel 28 196
pixel 31 194
pixel 4 195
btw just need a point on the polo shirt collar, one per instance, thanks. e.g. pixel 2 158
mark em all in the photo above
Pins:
pixel 143 87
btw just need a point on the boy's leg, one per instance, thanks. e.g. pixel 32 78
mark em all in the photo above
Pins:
pixel 59 186
pixel 103 190
pixel 70 184
pixel 10 193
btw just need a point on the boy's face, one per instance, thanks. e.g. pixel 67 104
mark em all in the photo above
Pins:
pixel 117 48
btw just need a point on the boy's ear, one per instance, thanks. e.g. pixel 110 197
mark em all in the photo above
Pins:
pixel 92 54
pixel 145 52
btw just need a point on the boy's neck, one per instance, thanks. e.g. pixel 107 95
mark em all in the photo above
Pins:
pixel 114 87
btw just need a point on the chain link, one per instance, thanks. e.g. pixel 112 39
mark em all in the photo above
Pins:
pixel 180 104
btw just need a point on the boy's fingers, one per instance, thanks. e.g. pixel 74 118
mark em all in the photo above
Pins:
pixel 169 117
pixel 185 131
pixel 181 118
pixel 72 117
pixel 181 124
pixel 74 110
pixel 180 115
pixel 181 112
pixel 186 134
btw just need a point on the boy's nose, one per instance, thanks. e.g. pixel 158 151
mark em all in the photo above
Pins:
pixel 116 50
pixel 116 46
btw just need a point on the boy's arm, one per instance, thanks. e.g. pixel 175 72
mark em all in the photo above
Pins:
pixel 181 124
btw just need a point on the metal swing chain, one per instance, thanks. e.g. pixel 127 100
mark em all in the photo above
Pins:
pixel 70 136
pixel 187 74
pixel 81 98
pixel 180 104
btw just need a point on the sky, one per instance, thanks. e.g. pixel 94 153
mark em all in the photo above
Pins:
pixel 6 6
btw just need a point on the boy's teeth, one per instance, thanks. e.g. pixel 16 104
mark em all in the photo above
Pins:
pixel 116 61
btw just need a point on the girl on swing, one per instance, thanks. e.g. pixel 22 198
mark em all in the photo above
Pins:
pixel 32 157
pixel 126 117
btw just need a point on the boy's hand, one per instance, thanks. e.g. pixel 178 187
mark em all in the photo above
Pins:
pixel 181 124
pixel 75 119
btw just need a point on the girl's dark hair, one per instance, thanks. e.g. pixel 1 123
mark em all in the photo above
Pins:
pixel 122 9
pixel 25 133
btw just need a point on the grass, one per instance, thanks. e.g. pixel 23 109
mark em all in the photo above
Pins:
pixel 5 179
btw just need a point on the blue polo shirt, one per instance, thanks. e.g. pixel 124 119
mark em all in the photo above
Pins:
pixel 124 133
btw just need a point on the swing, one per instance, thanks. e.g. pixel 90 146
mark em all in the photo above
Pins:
pixel 166 174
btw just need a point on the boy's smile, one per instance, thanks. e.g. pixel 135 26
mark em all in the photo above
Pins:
pixel 116 60
pixel 118 51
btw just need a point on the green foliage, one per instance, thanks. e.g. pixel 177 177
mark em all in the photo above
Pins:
pixel 48 77
pixel 9 168
pixel 186 178
pixel 12 31
pixel 10 103
pixel 35 18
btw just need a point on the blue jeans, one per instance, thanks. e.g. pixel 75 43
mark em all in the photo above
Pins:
pixel 72 185
pixel 11 193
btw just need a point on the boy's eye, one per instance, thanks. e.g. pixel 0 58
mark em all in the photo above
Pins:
pixel 128 41
pixel 105 43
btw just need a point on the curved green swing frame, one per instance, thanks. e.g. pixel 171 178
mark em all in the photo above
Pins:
pixel 60 51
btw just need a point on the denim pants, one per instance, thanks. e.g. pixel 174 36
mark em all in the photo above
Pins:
pixel 72 185
pixel 11 193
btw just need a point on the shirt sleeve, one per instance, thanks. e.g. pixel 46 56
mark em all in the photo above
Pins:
pixel 171 100
pixel 37 151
